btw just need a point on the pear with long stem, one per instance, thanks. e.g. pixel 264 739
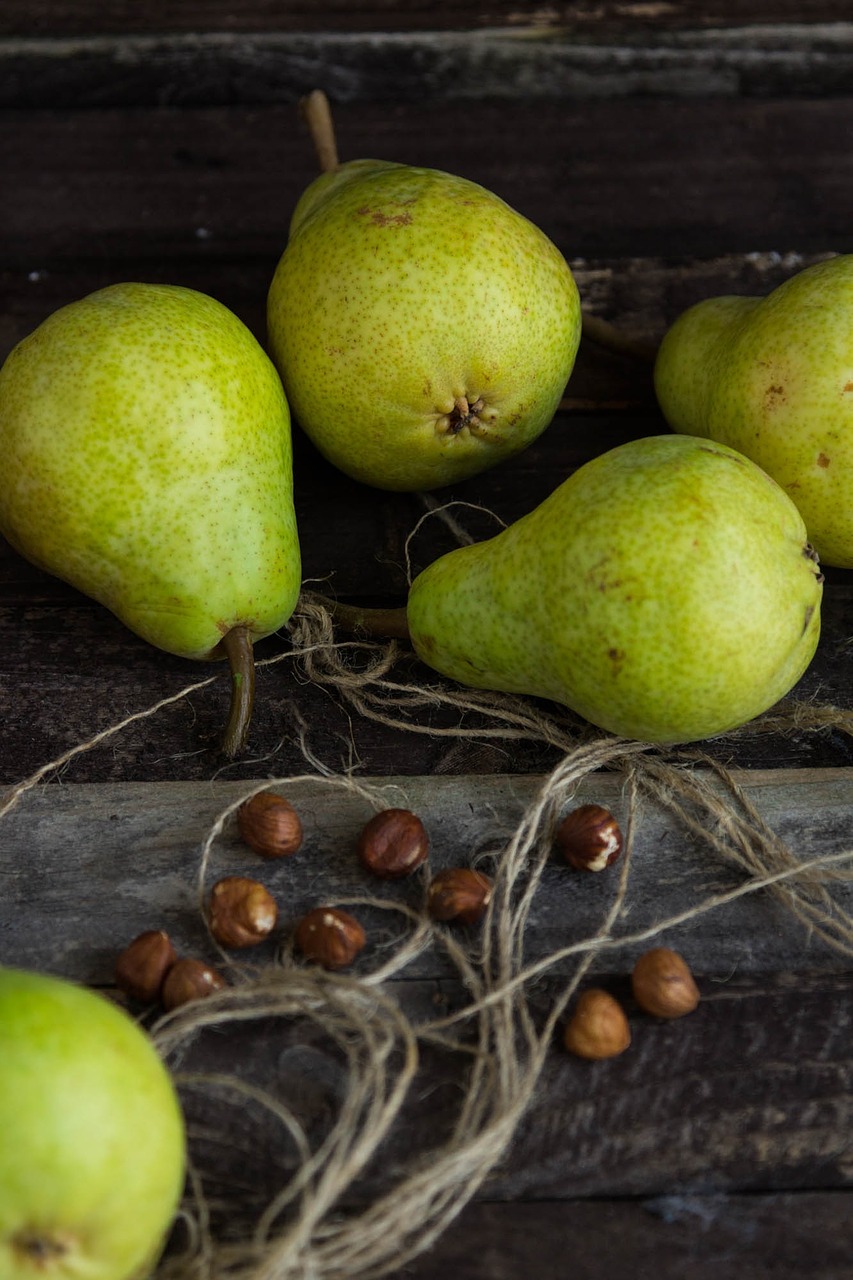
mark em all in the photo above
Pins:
pixel 665 591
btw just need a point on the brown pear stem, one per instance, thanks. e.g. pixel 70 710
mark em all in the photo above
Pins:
pixel 317 114
pixel 237 644
pixel 384 624
pixel 607 335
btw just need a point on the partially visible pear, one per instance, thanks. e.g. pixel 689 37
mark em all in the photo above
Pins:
pixel 773 378
pixel 145 445
pixel 93 1157
pixel 423 329
pixel 665 591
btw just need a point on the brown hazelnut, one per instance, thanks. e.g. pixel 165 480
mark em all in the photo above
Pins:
pixel 144 963
pixel 393 843
pixel 459 894
pixel 241 912
pixel 190 980
pixel 270 825
pixel 589 838
pixel 598 1027
pixel 663 984
pixel 329 937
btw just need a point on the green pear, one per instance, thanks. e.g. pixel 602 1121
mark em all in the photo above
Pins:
pixel 423 329
pixel 146 455
pixel 665 591
pixel 92 1156
pixel 773 378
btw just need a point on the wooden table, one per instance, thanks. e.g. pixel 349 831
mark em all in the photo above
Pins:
pixel 672 151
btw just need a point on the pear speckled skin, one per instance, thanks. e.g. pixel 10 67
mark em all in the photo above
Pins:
pixel 773 378
pixel 93 1153
pixel 424 331
pixel 665 591
pixel 146 455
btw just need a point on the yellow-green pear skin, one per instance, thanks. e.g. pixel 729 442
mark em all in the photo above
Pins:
pixel 665 592
pixel 773 378
pixel 423 329
pixel 146 451
pixel 93 1153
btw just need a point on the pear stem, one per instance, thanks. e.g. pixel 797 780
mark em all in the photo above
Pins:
pixel 317 114
pixel 385 624
pixel 605 334
pixel 237 644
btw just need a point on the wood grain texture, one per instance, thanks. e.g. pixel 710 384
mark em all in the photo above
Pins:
pixel 88 17
pixel 513 63
pixel 752 1091
pixel 664 1238
pixel 210 192
pixel 140 845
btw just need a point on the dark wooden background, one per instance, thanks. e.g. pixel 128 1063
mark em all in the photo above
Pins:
pixel 672 151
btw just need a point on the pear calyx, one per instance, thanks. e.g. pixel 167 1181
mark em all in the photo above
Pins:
pixel 810 554
pixel 463 414
pixel 40 1249
pixel 237 644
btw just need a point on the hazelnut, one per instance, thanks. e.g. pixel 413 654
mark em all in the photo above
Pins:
pixel 589 838
pixel 329 937
pixel 598 1027
pixel 144 963
pixel 190 980
pixel 241 912
pixel 270 825
pixel 459 894
pixel 393 843
pixel 663 984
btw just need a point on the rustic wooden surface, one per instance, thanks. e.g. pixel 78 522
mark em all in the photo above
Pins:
pixel 672 151
pixel 145 859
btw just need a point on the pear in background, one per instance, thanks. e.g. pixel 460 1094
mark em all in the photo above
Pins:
pixel 423 329
pixel 773 378
pixel 146 456
pixel 665 591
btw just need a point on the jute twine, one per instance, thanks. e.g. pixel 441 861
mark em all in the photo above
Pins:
pixel 305 1231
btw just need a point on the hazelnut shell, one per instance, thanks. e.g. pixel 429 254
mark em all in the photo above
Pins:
pixel 589 838
pixel 329 937
pixel 241 912
pixel 270 825
pixel 663 984
pixel 188 980
pixel 393 843
pixel 598 1027
pixel 142 967
pixel 459 894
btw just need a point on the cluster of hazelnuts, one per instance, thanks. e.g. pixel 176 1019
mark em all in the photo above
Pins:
pixel 589 838
pixel 241 912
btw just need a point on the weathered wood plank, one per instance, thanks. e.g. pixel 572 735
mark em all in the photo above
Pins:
pixel 87 17
pixel 666 1238
pixel 98 864
pixel 209 193
pixel 752 1091
pixel 512 63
